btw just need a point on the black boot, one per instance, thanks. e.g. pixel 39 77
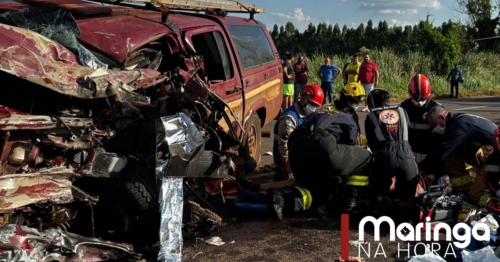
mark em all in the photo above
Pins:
pixel 349 204
pixel 276 202
pixel 382 206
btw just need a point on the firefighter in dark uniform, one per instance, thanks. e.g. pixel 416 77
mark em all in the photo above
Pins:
pixel 311 98
pixel 464 138
pixel 394 175
pixel 322 151
pixel 343 127
pixel 424 143
pixel 351 96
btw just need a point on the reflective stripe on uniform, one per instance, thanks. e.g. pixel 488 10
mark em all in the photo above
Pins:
pixel 402 116
pixel 485 197
pixel 420 126
pixel 492 168
pixel 358 180
pixel 306 197
pixel 460 181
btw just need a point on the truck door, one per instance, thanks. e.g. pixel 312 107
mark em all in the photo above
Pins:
pixel 211 43
pixel 262 77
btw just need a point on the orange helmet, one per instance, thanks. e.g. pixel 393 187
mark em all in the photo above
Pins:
pixel 419 88
pixel 496 138
pixel 314 93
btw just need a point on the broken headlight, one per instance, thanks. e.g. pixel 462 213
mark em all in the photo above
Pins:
pixel 22 153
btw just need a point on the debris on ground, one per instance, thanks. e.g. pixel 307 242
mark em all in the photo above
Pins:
pixel 485 254
pixel 21 243
pixel 352 259
pixel 216 241
pixel 356 243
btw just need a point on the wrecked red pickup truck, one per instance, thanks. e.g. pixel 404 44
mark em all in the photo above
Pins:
pixel 106 108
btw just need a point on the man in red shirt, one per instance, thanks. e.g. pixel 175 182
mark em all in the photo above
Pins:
pixel 368 75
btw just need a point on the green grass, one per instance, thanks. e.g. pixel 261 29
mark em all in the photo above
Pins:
pixel 481 72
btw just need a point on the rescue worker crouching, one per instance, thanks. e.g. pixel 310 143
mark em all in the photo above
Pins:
pixel 394 175
pixel 350 97
pixel 322 150
pixel 311 98
pixel 465 139
pixel 424 143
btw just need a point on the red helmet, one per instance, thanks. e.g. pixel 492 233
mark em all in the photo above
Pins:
pixel 496 138
pixel 419 88
pixel 314 93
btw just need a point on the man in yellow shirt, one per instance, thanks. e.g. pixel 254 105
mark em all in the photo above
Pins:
pixel 352 69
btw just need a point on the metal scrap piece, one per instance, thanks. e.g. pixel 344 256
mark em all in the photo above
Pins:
pixel 172 203
pixel 51 185
pixel 42 61
pixel 20 243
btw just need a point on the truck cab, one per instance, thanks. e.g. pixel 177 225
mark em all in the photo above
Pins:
pixel 241 62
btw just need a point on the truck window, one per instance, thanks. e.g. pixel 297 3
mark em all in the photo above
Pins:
pixel 252 45
pixel 212 47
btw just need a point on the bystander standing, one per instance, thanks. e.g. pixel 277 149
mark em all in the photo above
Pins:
pixel 455 77
pixel 328 73
pixel 301 75
pixel 288 81
pixel 368 75
pixel 352 69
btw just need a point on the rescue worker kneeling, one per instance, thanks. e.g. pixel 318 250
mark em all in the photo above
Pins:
pixel 356 184
pixel 340 127
pixel 394 175
pixel 318 158
pixel 464 139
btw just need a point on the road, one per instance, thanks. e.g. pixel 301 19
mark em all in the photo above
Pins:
pixel 308 239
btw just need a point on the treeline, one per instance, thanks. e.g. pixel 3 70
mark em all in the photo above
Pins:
pixel 445 43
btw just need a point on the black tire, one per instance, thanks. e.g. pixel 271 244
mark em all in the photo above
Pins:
pixel 254 137
pixel 137 195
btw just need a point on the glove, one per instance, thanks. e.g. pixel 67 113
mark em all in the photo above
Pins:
pixel 361 140
pixel 484 153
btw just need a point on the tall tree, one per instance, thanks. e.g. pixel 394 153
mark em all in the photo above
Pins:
pixel 483 21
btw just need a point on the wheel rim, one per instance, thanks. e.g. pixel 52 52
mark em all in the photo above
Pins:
pixel 252 140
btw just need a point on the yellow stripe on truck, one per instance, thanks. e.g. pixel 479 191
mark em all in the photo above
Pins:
pixel 256 91
pixel 271 91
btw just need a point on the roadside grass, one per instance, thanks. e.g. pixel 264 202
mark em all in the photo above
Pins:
pixel 481 72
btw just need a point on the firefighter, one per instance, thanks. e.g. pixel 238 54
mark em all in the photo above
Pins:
pixel 350 97
pixel 394 175
pixel 311 98
pixel 321 157
pixel 343 127
pixel 424 143
pixel 464 138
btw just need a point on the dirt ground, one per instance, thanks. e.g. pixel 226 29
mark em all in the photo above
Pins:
pixel 309 239
pixel 291 239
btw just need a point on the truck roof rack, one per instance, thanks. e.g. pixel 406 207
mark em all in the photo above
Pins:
pixel 200 5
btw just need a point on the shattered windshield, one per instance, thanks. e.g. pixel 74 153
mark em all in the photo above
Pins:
pixel 57 24
pixel 252 45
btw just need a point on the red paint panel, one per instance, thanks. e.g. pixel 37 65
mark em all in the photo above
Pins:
pixel 73 6
pixel 12 6
pixel 118 36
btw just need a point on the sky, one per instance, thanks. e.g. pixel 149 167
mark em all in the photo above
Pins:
pixel 353 12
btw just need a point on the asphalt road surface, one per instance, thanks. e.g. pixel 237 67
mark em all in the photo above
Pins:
pixel 310 239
